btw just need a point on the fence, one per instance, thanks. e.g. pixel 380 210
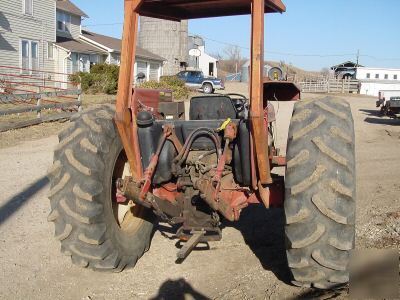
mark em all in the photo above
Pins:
pixel 233 77
pixel 337 86
pixel 49 95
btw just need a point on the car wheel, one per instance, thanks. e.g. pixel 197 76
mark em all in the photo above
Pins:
pixel 207 88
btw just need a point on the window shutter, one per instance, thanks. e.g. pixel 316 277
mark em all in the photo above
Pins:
pixel 29 7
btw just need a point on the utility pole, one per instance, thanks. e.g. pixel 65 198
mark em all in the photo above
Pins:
pixel 358 56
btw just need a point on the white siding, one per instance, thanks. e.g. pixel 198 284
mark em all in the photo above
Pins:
pixel 141 68
pixel 15 26
pixel 151 69
pixel 392 74
pixel 115 59
pixel 373 88
pixel 204 63
pixel 154 71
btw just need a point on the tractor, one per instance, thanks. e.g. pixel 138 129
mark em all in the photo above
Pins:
pixel 119 171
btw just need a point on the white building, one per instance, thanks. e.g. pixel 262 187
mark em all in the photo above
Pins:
pixel 373 80
pixel 207 63
pixel 204 62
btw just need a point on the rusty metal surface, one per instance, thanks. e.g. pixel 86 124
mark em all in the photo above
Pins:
pixel 158 102
pixel 193 9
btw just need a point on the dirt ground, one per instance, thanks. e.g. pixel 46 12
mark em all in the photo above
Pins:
pixel 249 262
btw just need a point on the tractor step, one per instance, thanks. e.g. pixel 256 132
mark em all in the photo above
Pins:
pixel 190 244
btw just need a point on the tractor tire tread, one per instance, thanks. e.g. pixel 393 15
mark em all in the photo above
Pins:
pixel 320 192
pixel 77 190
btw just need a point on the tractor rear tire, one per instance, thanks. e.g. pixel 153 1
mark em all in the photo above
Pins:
pixel 94 229
pixel 320 193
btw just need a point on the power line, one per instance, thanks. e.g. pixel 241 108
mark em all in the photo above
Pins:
pixel 270 51
pixel 379 58
pixel 304 55
pixel 278 52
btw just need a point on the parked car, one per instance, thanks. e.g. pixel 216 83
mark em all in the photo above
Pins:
pixel 196 79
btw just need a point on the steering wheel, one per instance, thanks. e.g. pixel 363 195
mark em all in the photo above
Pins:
pixel 239 101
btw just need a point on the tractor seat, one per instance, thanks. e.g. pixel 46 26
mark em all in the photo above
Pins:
pixel 212 108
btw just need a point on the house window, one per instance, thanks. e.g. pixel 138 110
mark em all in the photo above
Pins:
pixel 75 62
pixel 395 77
pixel 29 56
pixel 84 63
pixel 368 75
pixel 376 76
pixel 386 76
pixel 63 21
pixel 50 51
pixel 27 7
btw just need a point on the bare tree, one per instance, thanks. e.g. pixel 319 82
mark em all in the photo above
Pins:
pixel 217 56
pixel 233 59
pixel 326 72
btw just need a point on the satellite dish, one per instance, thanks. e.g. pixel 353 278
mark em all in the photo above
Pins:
pixel 194 52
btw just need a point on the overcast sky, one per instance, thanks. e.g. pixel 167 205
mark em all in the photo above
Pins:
pixel 312 34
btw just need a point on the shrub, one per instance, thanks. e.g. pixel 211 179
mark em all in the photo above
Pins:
pixel 173 83
pixel 103 78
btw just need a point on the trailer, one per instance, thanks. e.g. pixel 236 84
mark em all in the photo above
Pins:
pixel 389 103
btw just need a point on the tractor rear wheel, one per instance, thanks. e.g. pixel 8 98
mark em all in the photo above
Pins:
pixel 95 229
pixel 320 193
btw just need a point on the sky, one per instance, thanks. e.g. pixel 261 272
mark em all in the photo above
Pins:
pixel 311 34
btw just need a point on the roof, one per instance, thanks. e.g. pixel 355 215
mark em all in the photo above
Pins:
pixel 78 46
pixel 346 64
pixel 115 44
pixel 193 9
pixel 377 69
pixel 68 6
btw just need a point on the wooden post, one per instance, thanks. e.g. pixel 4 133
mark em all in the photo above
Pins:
pixel 125 120
pixel 80 102
pixel 259 133
pixel 39 109
pixel 343 81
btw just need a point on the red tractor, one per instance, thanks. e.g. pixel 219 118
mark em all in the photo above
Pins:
pixel 116 172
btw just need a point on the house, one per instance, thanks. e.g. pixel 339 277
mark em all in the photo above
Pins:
pixel 373 80
pixel 27 27
pixel 199 59
pixel 346 70
pixel 47 35
pixel 148 63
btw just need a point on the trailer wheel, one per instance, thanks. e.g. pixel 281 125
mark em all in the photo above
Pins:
pixel 94 229
pixel 320 193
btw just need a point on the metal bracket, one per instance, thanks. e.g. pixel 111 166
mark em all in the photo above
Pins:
pixel 190 244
